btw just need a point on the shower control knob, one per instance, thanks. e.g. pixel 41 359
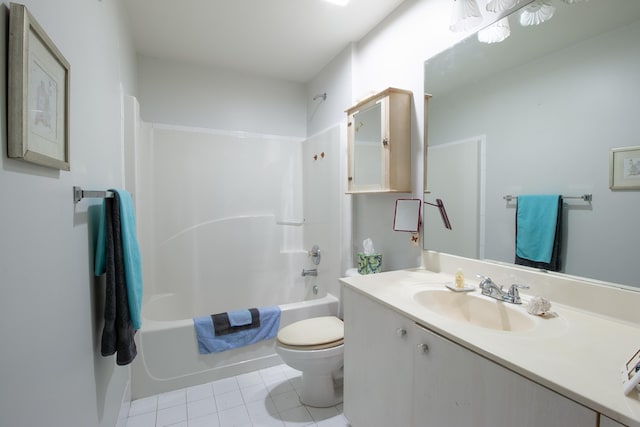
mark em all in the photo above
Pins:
pixel 423 348
pixel 401 332
pixel 314 254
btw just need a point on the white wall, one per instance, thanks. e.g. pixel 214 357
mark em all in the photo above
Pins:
pixel 393 54
pixel 335 79
pixel 192 95
pixel 51 306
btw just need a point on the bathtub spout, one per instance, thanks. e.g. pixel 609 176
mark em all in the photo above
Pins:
pixel 311 272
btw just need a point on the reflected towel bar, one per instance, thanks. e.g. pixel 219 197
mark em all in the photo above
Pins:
pixel 585 197
pixel 79 194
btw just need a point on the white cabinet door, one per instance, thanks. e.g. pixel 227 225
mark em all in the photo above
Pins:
pixel 455 387
pixel 608 422
pixel 378 359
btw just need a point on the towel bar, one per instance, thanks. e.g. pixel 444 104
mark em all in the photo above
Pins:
pixel 79 194
pixel 585 197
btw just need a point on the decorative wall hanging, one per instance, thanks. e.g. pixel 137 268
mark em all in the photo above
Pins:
pixel 624 168
pixel 38 117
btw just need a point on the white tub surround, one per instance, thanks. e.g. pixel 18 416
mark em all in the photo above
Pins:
pixel 578 354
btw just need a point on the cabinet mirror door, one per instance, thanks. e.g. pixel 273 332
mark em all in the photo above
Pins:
pixel 368 148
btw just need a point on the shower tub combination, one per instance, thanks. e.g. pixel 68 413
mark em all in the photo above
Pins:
pixel 213 239
pixel 195 275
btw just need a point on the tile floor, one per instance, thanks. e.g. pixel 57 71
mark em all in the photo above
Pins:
pixel 268 397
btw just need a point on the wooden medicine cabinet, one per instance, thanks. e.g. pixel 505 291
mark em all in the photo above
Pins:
pixel 379 142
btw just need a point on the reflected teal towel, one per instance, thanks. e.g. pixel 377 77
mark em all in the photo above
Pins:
pixel 536 223
pixel 208 342
pixel 130 251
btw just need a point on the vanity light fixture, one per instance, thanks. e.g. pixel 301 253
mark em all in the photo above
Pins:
pixel 498 6
pixel 466 15
pixel 443 212
pixel 495 33
pixel 536 13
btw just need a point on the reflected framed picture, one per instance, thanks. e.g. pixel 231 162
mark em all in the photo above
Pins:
pixel 624 168
pixel 38 110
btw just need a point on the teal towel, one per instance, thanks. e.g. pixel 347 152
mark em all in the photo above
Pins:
pixel 536 221
pixel 131 254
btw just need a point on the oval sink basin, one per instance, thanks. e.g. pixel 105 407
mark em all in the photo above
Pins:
pixel 482 312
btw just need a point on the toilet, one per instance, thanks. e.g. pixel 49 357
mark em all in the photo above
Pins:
pixel 316 347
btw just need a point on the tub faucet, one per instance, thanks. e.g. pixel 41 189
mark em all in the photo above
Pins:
pixel 494 291
pixel 311 272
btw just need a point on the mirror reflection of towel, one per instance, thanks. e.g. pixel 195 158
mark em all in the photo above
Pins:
pixel 539 231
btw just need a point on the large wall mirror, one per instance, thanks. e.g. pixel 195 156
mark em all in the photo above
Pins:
pixel 538 113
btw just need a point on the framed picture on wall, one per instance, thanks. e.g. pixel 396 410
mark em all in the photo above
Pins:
pixel 624 168
pixel 38 107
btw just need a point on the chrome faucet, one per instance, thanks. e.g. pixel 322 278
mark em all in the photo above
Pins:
pixel 311 272
pixel 494 291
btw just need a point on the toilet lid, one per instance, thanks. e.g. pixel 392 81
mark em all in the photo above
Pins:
pixel 316 331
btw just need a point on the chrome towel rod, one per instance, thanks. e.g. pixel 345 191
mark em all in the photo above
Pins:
pixel 79 194
pixel 585 197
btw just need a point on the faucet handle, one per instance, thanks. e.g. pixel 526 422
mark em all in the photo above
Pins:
pixel 484 281
pixel 515 294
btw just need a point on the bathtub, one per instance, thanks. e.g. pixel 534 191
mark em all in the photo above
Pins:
pixel 168 357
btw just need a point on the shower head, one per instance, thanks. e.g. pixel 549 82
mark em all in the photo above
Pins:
pixel 321 95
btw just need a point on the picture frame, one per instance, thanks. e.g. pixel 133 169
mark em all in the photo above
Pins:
pixel 38 94
pixel 624 168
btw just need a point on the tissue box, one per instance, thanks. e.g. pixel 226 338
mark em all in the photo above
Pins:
pixel 369 264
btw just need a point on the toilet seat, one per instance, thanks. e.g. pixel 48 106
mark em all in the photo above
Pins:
pixel 312 334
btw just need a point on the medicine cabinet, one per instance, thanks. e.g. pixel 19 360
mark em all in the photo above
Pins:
pixel 379 141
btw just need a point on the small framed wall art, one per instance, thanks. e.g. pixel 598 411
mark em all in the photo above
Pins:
pixel 38 116
pixel 624 168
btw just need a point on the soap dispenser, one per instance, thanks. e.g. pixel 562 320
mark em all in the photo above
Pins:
pixel 459 279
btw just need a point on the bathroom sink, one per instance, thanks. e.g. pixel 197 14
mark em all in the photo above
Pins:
pixel 476 310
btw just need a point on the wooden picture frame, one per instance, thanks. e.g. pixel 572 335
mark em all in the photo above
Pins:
pixel 38 94
pixel 624 168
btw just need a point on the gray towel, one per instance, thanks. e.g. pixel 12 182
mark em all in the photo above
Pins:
pixel 117 335
pixel 222 325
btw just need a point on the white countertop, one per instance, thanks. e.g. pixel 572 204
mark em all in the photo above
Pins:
pixel 576 353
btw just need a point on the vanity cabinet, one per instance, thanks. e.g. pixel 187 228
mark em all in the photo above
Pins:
pixel 379 142
pixel 453 386
pixel 377 363
pixel 397 372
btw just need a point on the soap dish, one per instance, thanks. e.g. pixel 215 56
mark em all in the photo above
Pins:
pixel 465 288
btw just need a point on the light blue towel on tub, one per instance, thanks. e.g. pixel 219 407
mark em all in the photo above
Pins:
pixel 208 342
pixel 239 318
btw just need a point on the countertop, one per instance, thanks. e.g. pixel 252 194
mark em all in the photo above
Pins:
pixel 577 353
